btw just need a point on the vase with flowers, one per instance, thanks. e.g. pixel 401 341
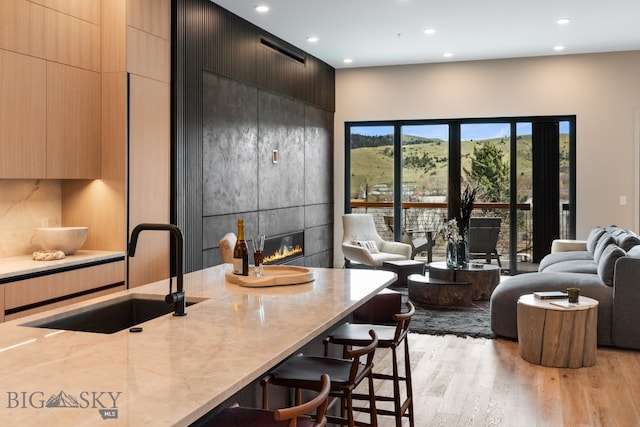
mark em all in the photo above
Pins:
pixel 452 237
pixel 457 229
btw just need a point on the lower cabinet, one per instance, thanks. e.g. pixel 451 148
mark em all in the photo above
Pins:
pixel 33 295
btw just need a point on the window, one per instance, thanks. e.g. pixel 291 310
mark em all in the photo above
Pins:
pixel 439 156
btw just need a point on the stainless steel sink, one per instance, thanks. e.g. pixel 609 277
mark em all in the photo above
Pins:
pixel 110 316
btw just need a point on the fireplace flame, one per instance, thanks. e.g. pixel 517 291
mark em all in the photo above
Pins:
pixel 278 254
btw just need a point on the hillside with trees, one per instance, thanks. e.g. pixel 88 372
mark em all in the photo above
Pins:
pixel 425 167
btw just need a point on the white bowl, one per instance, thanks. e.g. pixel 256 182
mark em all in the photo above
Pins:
pixel 65 239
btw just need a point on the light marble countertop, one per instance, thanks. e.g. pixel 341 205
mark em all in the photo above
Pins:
pixel 178 368
pixel 20 265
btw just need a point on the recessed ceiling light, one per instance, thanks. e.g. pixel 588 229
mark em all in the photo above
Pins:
pixel 430 31
pixel 262 8
pixel 447 55
pixel 558 48
pixel 312 39
pixel 347 60
pixel 563 21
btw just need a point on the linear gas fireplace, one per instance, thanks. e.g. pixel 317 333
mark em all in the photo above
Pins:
pixel 283 249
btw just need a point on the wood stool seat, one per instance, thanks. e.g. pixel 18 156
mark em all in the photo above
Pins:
pixel 236 416
pixel 390 337
pixel 302 372
pixel 358 334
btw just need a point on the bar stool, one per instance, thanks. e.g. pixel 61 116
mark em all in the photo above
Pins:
pixel 347 373
pixel 391 337
pixel 236 416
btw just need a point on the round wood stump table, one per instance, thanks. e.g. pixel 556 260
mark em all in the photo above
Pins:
pixel 555 336
pixel 483 277
pixel 438 293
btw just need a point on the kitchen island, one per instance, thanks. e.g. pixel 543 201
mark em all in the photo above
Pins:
pixel 178 368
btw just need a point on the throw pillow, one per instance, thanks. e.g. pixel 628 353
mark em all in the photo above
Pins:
pixel 628 240
pixel 607 263
pixel 634 252
pixel 614 230
pixel 369 245
pixel 603 242
pixel 592 240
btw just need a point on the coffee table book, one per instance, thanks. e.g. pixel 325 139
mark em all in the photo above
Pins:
pixel 550 294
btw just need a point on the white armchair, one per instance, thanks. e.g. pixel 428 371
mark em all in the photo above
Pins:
pixel 361 242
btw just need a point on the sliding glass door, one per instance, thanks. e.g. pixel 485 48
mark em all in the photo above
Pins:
pixel 512 160
pixel 370 186
pixel 485 163
pixel 424 177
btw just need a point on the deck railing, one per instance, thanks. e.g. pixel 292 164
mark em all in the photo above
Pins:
pixel 432 215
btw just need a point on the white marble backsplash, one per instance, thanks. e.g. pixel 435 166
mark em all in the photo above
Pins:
pixel 25 205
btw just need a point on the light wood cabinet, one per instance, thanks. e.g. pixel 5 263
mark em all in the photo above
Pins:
pixel 1 303
pixel 33 295
pixel 22 116
pixel 50 89
pixel 49 119
pixel 73 122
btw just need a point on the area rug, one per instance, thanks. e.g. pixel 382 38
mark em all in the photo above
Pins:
pixel 473 321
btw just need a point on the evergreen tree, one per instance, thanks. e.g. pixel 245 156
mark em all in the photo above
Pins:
pixel 490 172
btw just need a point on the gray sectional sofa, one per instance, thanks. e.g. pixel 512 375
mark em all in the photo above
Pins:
pixel 605 267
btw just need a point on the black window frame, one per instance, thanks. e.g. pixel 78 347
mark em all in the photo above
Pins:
pixel 454 160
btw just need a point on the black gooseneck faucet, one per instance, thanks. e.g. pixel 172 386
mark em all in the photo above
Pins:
pixel 178 297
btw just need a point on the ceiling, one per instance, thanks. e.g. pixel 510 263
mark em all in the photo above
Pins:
pixel 389 32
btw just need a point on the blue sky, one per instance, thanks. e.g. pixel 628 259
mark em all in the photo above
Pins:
pixel 477 131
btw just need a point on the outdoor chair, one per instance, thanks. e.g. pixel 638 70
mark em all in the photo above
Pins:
pixel 483 238
pixel 418 244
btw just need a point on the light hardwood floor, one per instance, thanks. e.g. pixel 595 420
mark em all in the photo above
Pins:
pixel 482 382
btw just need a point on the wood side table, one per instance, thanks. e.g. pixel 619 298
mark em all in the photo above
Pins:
pixel 483 277
pixel 555 336
pixel 403 269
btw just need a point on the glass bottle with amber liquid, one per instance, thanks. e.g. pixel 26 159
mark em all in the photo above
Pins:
pixel 241 252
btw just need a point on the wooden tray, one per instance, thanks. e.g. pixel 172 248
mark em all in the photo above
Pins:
pixel 274 275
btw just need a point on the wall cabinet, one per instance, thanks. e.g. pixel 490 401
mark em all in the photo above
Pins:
pixel 73 122
pixel 22 116
pixel 33 295
pixel 49 119
pixel 50 89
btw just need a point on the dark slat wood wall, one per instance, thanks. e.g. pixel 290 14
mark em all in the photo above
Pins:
pixel 208 38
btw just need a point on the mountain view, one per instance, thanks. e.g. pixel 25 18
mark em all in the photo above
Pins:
pixel 425 166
